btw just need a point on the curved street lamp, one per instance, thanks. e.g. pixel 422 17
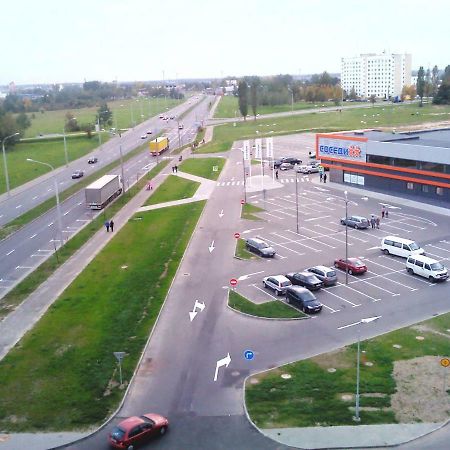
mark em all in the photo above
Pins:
pixel 4 161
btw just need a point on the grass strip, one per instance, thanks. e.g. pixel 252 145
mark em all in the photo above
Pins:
pixel 63 375
pixel 241 251
pixel 315 395
pixel 173 188
pixel 249 211
pixel 38 276
pixel 204 167
pixel 274 309
pixel 42 208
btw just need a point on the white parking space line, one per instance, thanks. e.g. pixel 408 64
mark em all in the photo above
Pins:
pixel 67 212
pixel 315 207
pixel 394 294
pixel 308 238
pixel 341 298
pixel 265 291
pixel 290 241
pixel 281 245
pixel 335 233
pixel 272 215
pixel 82 220
pixel 315 218
pixel 403 221
pixel 351 232
pixel 359 292
pixel 417 219
pixel 439 248
pixel 18 206
pixel 385 224
pixel 34 235
pixel 321 235
pixel 331 309
pixel 11 251
pixel 379 275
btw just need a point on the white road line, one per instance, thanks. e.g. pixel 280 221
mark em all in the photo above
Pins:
pixel 34 235
pixel 49 189
pixel 12 251
pixel 356 290
pixel 379 275
pixel 50 224
pixel 400 272
pixel 272 215
pixel 341 298
pixel 289 241
pixel 19 206
pixel 265 292
pixel 23 267
pixel 67 212
pixel 331 309
pixel 35 197
pixel 315 218
pixel 439 248
pixel 39 256
pixel 45 250
pixel 350 232
pixel 321 236
pixel 280 245
pixel 394 294
pixel 402 221
pixel 82 220
pixel 308 238
pixel 396 228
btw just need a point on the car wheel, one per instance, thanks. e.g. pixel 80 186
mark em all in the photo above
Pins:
pixel 431 279
pixel 386 251
pixel 264 284
pixel 336 265
pixel 342 222
pixel 162 431
pixel 277 292
pixel 350 271
pixel 288 300
pixel 410 270
pixel 304 309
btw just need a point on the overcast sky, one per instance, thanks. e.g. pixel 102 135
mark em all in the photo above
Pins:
pixel 50 41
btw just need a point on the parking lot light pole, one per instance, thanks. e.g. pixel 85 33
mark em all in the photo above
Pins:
pixel 346 238
pixel 4 161
pixel 296 197
pixel 58 208
pixel 245 178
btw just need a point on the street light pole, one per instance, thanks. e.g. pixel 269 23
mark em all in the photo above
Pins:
pixel 346 238
pixel 58 208
pixel 245 179
pixel 4 161
pixel 121 168
pixel 296 197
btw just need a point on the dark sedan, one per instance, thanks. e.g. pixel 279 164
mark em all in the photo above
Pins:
pixel 305 279
pixel 353 265
pixel 304 299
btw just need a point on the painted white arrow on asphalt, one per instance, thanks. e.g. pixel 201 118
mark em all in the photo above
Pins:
pixel 222 362
pixel 252 229
pixel 193 313
pixel 221 214
pixel 211 247
pixel 244 277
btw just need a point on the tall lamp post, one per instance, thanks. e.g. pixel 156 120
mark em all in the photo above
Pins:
pixel 58 209
pixel 296 197
pixel 346 237
pixel 4 161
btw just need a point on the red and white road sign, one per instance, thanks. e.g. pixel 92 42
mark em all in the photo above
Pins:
pixel 242 202
pixel 237 235
pixel 233 282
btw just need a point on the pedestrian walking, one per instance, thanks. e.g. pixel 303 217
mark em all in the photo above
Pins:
pixel 107 226
pixel 324 177
pixel 176 168
pixel 377 221
pixel 386 213
pixel 320 176
pixel 111 225
pixel 372 221
pixel 173 169
pixel 383 211
pixel 276 174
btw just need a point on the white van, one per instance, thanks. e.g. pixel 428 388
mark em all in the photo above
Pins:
pixel 394 245
pixel 426 267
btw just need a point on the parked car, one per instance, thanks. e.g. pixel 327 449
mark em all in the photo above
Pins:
pixel 259 247
pixel 426 267
pixel 276 164
pixel 77 174
pixel 137 430
pixel 290 159
pixel 305 279
pixel 307 169
pixel 358 222
pixel 278 283
pixel 304 299
pixel 93 160
pixel 286 166
pixel 325 274
pixel 354 265
pixel 394 245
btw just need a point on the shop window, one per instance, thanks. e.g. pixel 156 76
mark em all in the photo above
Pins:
pixel 425 188
pixel 377 159
pixel 400 162
pixel 410 186
pixel 439 191
pixel 432 167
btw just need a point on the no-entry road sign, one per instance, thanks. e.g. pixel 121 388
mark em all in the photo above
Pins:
pixel 237 235
pixel 233 282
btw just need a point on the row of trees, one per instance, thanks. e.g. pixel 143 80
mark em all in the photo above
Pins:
pixel 428 85
pixel 283 89
pixel 10 124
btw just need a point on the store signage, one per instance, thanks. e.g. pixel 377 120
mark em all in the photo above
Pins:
pixel 342 149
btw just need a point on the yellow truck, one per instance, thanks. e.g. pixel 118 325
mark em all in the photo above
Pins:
pixel 159 145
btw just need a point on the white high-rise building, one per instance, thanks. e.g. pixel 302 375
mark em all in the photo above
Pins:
pixel 380 75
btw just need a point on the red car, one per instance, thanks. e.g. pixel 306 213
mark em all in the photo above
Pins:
pixel 354 265
pixel 137 430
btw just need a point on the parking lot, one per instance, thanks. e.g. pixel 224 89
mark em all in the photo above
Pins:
pixel 321 239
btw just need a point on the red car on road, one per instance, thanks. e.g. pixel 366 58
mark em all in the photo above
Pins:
pixel 137 430
pixel 353 265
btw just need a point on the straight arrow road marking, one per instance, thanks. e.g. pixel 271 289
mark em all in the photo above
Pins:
pixel 244 277
pixel 193 313
pixel 211 247
pixel 252 229
pixel 222 362
pixel 221 214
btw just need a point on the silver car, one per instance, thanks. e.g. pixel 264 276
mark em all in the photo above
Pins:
pixel 278 283
pixel 325 274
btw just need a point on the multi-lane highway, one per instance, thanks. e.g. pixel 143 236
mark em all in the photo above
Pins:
pixel 24 250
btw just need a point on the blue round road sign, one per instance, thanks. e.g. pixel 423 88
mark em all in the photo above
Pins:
pixel 248 354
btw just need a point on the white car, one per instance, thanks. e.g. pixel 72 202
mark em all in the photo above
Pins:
pixel 181 126
pixel 144 136
pixel 278 283
pixel 308 169
pixel 286 166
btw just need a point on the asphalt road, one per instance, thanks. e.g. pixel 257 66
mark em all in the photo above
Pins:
pixel 176 377
pixel 26 249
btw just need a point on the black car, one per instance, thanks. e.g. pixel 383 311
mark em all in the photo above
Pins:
pixel 77 174
pixel 277 163
pixel 305 279
pixel 291 160
pixel 259 247
pixel 92 160
pixel 304 299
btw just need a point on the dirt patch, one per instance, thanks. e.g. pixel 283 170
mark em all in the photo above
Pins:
pixel 427 329
pixel 419 126
pixel 337 360
pixel 420 395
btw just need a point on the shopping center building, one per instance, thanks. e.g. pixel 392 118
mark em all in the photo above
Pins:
pixel 413 164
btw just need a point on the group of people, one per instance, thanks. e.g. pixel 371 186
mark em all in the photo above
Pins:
pixel 375 220
pixel 175 169
pixel 109 224
pixel 323 176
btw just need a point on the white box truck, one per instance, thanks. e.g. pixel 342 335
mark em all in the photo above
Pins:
pixel 102 191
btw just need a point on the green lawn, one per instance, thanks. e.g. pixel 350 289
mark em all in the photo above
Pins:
pixel 47 150
pixel 313 394
pixel 39 275
pixel 241 251
pixel 380 115
pixel 228 107
pixel 63 374
pixel 275 309
pixel 173 188
pixel 203 167
pixel 249 211
pixel 123 111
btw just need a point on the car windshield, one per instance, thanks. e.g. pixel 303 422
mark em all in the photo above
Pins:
pixel 414 246
pixel 331 274
pixel 308 297
pixel 357 263
pixel 263 245
pixel 117 433
pixel 311 278
pixel 437 266
pixel 285 283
